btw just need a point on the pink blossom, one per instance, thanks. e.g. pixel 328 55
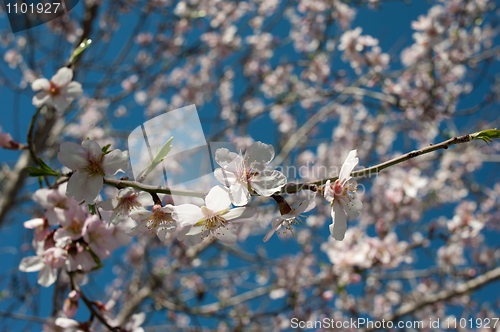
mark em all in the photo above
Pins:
pixel 159 221
pixel 214 220
pixel 60 91
pixel 90 165
pixel 342 195
pixel 70 305
pixel 291 218
pixel 54 201
pixel 47 263
pixel 240 173
pixel 99 237
pixel 125 202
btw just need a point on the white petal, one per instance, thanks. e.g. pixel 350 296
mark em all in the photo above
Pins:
pixel 339 221
pixel 62 77
pixel 72 155
pixel 241 214
pixel 83 187
pixel 115 161
pixel 239 194
pixel 269 234
pixel 66 323
pixel 145 199
pixel 187 214
pixel 226 234
pixel 108 204
pixel 305 206
pixel 31 264
pixel 73 90
pixel 40 84
pixel 41 98
pixel 47 276
pixel 259 154
pixel 33 223
pixel 267 183
pixel 355 205
pixel 60 103
pixel 225 177
pixel 93 148
pixel 217 199
pixel 140 215
pixel 347 167
pixel 223 156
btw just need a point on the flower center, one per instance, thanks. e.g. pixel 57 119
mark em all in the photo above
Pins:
pixel 127 204
pixel 160 220
pixel 53 89
pixel 94 168
pixel 212 225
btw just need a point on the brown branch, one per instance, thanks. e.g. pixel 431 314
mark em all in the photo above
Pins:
pixel 295 188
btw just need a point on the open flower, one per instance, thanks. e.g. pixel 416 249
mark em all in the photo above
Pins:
pixel 60 91
pixel 292 218
pixel 214 220
pixel 342 197
pixel 159 222
pixel 47 263
pixel 125 202
pixel 244 173
pixel 54 200
pixel 90 165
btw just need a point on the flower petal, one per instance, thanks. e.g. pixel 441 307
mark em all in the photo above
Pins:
pixel 217 199
pixel 33 223
pixel 62 77
pixel 83 187
pixel 241 214
pixel 31 264
pixel 40 99
pixel 259 155
pixel 73 90
pixel 267 183
pixel 339 221
pixel 225 177
pixel 239 194
pixel 224 157
pixel 140 215
pixel 350 162
pixel 47 276
pixel 187 214
pixel 115 161
pixel 72 155
pixel 92 148
pixel 40 84
pixel 226 234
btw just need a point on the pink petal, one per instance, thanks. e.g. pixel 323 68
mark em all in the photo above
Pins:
pixel 83 187
pixel 92 148
pixel 72 156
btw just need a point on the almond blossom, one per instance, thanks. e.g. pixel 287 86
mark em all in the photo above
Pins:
pixel 47 263
pixel 159 221
pixel 125 202
pixel 59 92
pixel 214 220
pixel 89 164
pixel 292 218
pixel 7 142
pixel 54 201
pixel 342 197
pixel 246 174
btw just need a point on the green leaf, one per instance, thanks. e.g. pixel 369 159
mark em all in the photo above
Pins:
pixel 105 149
pixel 92 209
pixel 486 135
pixel 165 149
pixel 42 170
